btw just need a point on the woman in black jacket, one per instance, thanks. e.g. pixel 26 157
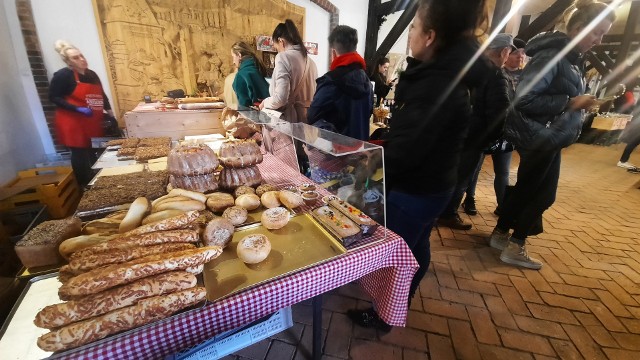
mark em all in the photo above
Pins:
pixel 547 116
pixel 382 85
pixel 429 127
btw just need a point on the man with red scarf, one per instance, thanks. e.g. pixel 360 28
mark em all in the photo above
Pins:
pixel 344 97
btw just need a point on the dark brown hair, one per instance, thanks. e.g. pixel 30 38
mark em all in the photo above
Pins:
pixel 452 19
pixel 288 31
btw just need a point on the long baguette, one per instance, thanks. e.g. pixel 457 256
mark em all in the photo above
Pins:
pixel 89 262
pixel 114 275
pixel 188 193
pixel 78 243
pixel 136 213
pixel 57 315
pixel 160 215
pixel 176 222
pixel 183 205
pixel 149 239
pixel 144 312
pixel 66 274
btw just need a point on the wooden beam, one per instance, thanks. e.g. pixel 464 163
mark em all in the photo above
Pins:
pixel 371 39
pixel 499 12
pixel 388 8
pixel 524 22
pixel 593 60
pixel 546 20
pixel 617 38
pixel 604 57
pixel 397 29
pixel 629 32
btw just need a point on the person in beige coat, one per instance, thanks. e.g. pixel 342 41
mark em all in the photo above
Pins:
pixel 294 77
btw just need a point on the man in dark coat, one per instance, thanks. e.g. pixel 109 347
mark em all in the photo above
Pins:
pixel 490 102
pixel 344 98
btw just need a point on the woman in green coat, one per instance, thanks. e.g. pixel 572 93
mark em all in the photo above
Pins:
pixel 249 84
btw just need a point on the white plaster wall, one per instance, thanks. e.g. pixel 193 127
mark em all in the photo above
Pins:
pixel 354 13
pixel 316 30
pixel 24 137
pixel 400 46
pixel 73 21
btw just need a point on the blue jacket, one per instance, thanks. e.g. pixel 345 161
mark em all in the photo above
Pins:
pixel 249 85
pixel 540 119
pixel 343 102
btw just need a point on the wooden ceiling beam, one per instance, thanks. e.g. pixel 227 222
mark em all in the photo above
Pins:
pixel 546 20
pixel 629 32
pixel 371 38
pixel 398 28
pixel 593 60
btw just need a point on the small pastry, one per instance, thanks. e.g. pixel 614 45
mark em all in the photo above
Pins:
pixel 270 199
pixel 275 218
pixel 236 214
pixel 248 201
pixel 254 248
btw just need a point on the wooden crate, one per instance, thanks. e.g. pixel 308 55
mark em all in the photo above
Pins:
pixel 55 187
pixel 173 123
pixel 611 122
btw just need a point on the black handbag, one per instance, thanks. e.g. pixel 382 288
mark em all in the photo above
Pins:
pixel 110 126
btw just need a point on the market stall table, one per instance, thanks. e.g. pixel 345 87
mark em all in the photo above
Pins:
pixel 382 263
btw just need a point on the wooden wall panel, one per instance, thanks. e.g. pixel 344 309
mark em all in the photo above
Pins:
pixel 152 46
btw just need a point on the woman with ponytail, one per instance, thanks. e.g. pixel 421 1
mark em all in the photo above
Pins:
pixel 249 83
pixel 294 76
pixel 546 117
pixel 80 104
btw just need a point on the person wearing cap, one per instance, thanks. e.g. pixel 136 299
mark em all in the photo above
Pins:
pixel 490 102
pixel 515 62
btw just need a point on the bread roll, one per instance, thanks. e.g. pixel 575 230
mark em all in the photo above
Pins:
pixel 290 199
pixel 261 189
pixel 270 199
pixel 182 205
pixel 275 218
pixel 243 189
pixel 248 201
pixel 144 312
pixel 81 242
pixel 253 248
pixel 165 198
pixel 236 214
pixel 134 216
pixel 194 195
pixel 102 226
pixel 161 215
pixel 176 222
pixel 219 201
pixel 218 232
pixel 57 315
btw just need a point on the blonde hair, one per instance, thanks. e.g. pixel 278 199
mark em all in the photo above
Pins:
pixel 62 47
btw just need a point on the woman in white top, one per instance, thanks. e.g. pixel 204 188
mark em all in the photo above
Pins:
pixel 294 76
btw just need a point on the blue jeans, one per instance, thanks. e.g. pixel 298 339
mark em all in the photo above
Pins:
pixel 501 165
pixel 412 217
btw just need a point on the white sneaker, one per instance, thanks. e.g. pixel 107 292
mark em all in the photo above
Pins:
pixel 515 254
pixel 499 239
pixel 626 165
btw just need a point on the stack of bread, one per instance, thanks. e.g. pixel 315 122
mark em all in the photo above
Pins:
pixel 239 159
pixel 139 276
pixel 192 166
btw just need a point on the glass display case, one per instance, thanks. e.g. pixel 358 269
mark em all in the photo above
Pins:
pixel 349 168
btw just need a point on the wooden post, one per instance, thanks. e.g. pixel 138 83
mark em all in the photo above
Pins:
pixel 397 29
pixel 629 32
pixel 371 39
pixel 499 12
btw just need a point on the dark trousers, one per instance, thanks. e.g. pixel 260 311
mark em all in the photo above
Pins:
pixel 81 161
pixel 468 163
pixel 533 194
pixel 501 166
pixel 412 217
pixel 631 145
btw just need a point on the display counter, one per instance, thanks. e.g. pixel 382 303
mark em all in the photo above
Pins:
pixel 150 120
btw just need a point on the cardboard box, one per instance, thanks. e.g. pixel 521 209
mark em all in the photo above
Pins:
pixel 611 121
pixel 173 123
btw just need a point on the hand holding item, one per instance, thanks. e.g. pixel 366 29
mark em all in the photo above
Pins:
pixel 581 102
pixel 86 111
pixel 261 106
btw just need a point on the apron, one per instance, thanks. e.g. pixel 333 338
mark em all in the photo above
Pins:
pixel 73 128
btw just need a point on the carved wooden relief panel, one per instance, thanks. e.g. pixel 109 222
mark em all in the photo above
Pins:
pixel 152 46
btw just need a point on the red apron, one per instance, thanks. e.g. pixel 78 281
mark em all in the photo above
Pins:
pixel 73 128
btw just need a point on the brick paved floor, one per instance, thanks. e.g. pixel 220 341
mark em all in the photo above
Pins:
pixel 583 304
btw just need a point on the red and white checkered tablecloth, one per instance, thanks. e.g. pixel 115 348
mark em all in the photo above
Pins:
pixel 384 267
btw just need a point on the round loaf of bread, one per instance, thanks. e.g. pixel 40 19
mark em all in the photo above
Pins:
pixel 243 189
pixel 240 153
pixel 236 214
pixel 248 201
pixel 218 232
pixel 219 201
pixel 253 248
pixel 200 183
pixel 270 199
pixel 191 159
pixel 290 199
pixel 275 218
pixel 261 189
pixel 231 178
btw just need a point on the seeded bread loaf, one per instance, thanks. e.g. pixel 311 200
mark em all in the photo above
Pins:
pixel 40 246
